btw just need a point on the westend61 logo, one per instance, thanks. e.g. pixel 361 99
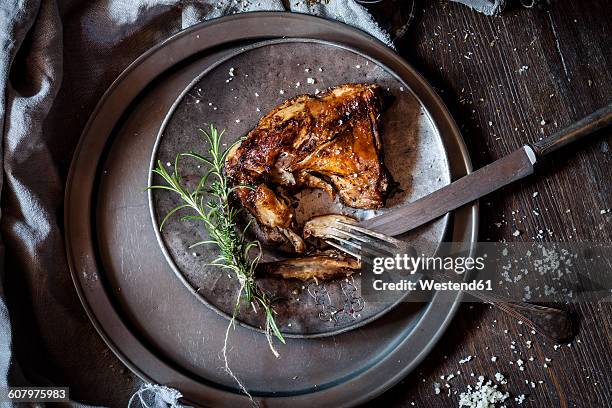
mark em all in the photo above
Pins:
pixel 411 264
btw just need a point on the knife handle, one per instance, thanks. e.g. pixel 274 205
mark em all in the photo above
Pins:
pixel 584 127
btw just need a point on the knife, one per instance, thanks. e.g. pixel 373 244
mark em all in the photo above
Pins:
pixel 515 166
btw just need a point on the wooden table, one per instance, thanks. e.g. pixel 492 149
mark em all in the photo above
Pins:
pixel 476 64
pixel 509 80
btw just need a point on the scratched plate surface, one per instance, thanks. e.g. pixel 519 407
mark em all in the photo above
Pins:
pixel 233 95
pixel 149 318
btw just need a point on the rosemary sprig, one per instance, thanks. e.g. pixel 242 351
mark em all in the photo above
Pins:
pixel 209 203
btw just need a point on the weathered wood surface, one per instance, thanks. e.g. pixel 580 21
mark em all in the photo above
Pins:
pixel 509 80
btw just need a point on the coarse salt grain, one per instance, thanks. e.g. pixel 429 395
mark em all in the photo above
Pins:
pixel 482 395
pixel 465 360
pixel 499 377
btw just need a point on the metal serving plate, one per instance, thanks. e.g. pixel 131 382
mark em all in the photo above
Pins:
pixel 263 75
pixel 148 317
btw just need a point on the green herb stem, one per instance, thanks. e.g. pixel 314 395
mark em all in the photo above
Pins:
pixel 209 203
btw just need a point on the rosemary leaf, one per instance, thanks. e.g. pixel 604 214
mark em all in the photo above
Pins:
pixel 209 203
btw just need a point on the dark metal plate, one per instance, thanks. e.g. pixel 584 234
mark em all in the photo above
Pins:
pixel 148 317
pixel 262 76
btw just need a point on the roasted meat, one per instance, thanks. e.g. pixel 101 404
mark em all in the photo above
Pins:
pixel 322 266
pixel 329 141
pixel 323 225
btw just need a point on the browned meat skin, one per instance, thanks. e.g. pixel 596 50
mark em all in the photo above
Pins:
pixel 323 266
pixel 329 141
pixel 322 225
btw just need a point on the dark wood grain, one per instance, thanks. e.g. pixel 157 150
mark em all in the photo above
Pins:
pixel 510 80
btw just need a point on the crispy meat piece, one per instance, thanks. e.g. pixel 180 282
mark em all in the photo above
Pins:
pixel 322 225
pixel 322 266
pixel 329 141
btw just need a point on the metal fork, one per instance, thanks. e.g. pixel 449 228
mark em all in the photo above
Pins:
pixel 365 244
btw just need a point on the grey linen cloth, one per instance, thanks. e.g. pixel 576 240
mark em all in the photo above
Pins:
pixel 488 7
pixel 58 57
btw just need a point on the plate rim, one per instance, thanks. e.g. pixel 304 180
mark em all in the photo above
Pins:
pixel 153 163
pixel 129 349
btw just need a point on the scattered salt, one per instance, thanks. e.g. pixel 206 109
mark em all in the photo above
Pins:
pixel 482 395
pixel 465 360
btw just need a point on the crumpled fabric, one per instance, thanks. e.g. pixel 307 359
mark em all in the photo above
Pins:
pixel 488 7
pixel 57 59
pixel 155 396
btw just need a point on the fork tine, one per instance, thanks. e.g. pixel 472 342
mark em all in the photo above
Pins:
pixel 347 242
pixel 348 234
pixel 362 259
pixel 376 247
pixel 366 231
pixel 343 249
pixel 367 248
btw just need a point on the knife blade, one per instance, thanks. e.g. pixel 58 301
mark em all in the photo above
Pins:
pixel 481 182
